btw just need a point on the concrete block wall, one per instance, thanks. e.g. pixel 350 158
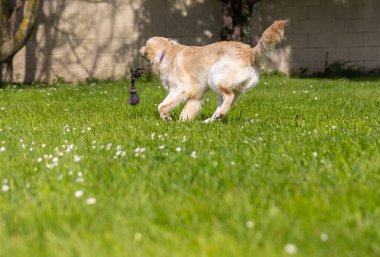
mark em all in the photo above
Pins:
pixel 322 32
pixel 80 39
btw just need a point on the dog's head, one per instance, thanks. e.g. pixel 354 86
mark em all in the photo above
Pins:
pixel 155 48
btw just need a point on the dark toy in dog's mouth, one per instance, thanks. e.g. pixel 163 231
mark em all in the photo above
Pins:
pixel 135 75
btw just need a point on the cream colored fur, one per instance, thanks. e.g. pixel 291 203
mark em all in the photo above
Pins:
pixel 227 68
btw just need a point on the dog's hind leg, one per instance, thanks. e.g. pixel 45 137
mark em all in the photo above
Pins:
pixel 213 117
pixel 226 98
pixel 170 102
pixel 191 108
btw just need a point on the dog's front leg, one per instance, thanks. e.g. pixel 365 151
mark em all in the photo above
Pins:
pixel 171 101
pixel 191 108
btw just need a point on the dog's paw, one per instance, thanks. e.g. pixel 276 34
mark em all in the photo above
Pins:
pixel 208 121
pixel 213 118
pixel 166 117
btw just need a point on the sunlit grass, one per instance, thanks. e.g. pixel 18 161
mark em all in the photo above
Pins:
pixel 293 170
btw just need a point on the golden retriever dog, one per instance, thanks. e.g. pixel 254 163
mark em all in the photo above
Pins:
pixel 227 68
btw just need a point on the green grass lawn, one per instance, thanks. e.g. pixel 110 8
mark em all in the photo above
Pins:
pixel 293 170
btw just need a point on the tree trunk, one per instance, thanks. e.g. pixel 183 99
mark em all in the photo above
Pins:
pixel 1 75
pixel 236 17
pixel 11 39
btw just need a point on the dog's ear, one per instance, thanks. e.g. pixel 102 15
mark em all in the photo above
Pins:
pixel 173 41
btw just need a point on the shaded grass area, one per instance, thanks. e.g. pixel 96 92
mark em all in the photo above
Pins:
pixel 294 169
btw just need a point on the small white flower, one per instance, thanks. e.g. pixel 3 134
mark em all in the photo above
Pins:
pixel 50 166
pixel 249 224
pixel 140 150
pixel 91 201
pixel 79 180
pixel 194 155
pixel 5 188
pixel 69 148
pixel 138 236
pixel 39 159
pixel 324 237
pixel 333 127
pixel 178 149
pixel 161 147
pixel 315 154
pixel 78 193
pixel 315 98
pixel 2 149
pixel 43 145
pixel 290 249
pixel 77 158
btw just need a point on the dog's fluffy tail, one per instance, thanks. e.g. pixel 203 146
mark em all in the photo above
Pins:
pixel 270 38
